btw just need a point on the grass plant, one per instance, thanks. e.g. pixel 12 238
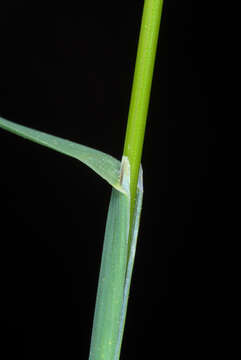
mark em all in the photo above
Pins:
pixel 125 177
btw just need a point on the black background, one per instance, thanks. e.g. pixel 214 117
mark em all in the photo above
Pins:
pixel 67 70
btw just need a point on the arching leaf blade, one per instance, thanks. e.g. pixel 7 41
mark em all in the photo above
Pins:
pixel 103 164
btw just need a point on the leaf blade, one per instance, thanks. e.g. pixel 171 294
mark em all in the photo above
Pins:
pixel 103 164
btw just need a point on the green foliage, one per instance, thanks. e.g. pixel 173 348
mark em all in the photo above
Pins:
pixel 104 165
pixel 116 270
pixel 119 243
pixel 127 191
pixel 110 294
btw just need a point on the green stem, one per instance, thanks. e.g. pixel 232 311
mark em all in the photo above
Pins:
pixel 141 89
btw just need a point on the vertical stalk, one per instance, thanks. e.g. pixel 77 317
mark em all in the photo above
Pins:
pixel 141 89
pixel 118 258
